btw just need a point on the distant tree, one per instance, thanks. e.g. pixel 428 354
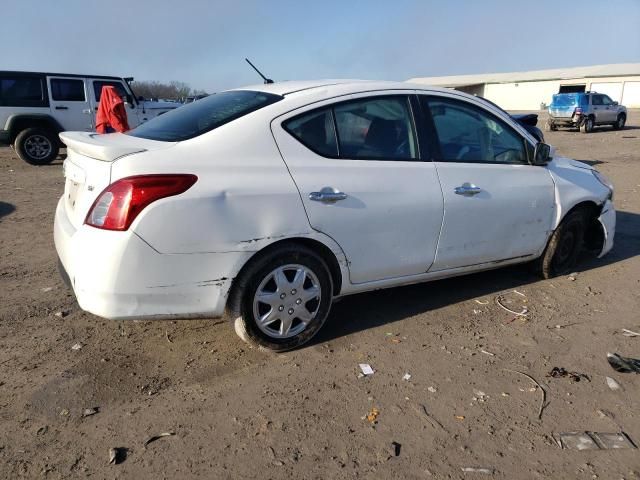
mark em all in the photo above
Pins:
pixel 174 90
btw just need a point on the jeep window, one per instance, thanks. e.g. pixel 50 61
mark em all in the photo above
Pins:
pixel 606 100
pixel 98 84
pixel 203 116
pixel 564 100
pixel 22 91
pixel 67 90
pixel 596 100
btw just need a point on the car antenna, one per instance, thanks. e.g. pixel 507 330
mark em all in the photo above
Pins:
pixel 266 80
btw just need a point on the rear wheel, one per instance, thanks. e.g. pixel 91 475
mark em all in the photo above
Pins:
pixel 587 125
pixel 283 299
pixel 549 126
pixel 622 119
pixel 564 246
pixel 36 146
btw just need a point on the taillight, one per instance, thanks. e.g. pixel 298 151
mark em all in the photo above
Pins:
pixel 121 202
pixel 578 111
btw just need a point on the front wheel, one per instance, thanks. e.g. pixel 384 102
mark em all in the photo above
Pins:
pixel 622 119
pixel 284 298
pixel 564 246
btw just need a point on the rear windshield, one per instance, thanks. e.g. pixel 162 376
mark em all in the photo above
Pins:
pixel 564 100
pixel 203 116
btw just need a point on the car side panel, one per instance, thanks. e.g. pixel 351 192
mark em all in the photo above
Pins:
pixel 244 197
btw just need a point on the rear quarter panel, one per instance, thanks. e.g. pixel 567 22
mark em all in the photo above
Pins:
pixel 243 200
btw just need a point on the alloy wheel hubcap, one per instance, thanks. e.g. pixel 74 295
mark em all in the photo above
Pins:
pixel 286 301
pixel 38 146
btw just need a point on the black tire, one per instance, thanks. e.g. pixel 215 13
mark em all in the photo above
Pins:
pixel 587 125
pixel 549 126
pixel 37 146
pixel 564 246
pixel 241 307
pixel 620 121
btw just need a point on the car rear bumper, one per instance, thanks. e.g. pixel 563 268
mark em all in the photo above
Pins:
pixel 117 275
pixel 567 121
pixel 608 221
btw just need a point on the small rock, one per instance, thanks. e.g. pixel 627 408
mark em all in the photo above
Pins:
pixel 46 289
pixel 432 389
pixel 76 346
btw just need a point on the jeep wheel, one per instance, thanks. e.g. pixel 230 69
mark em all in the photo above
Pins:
pixel 587 125
pixel 622 119
pixel 549 126
pixel 36 146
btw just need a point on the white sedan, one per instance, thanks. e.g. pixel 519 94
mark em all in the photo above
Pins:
pixel 271 201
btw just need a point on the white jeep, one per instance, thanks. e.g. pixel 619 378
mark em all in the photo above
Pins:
pixel 35 107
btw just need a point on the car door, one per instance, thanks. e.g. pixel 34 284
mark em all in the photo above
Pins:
pixel 497 206
pixel 598 108
pixel 132 112
pixel 610 110
pixel 363 182
pixel 70 104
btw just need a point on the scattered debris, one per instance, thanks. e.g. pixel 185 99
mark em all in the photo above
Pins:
pixel 501 300
pixel 595 441
pixel 432 389
pixel 87 412
pixel 479 302
pixel 366 369
pixel 395 448
pixel 60 314
pixel 488 353
pixel 543 403
pixel 480 395
pixel 613 385
pixel 629 333
pixel 64 412
pixel 488 471
pixel 406 377
pixel 46 289
pixel 372 416
pixel 166 334
pixel 396 340
pixel 459 417
pixel 42 430
pixel 573 276
pixel 76 346
pixel 117 455
pixel 623 364
pixel 559 372
pixel 157 437
pixel 476 311
pixel 430 418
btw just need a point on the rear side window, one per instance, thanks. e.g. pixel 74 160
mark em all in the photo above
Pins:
pixel 67 90
pixel 596 100
pixel 316 131
pixel 98 84
pixel 22 91
pixel 203 116
pixel 376 128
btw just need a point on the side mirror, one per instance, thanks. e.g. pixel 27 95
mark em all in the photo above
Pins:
pixel 615 103
pixel 542 154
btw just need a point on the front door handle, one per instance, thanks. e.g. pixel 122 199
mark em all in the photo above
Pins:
pixel 61 107
pixel 327 195
pixel 467 189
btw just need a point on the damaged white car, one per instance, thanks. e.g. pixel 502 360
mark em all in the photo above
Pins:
pixel 271 201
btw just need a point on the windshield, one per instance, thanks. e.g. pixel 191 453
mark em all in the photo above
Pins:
pixel 203 116
pixel 564 100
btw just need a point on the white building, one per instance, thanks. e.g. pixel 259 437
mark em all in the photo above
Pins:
pixel 528 90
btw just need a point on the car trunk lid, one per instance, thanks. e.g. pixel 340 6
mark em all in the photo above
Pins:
pixel 87 168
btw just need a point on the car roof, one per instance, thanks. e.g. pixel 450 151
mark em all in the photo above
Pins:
pixel 50 74
pixel 334 87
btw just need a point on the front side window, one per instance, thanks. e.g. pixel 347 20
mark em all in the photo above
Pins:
pixel 22 91
pixel 203 116
pixel 606 100
pixel 67 90
pixel 98 84
pixel 468 134
pixel 316 131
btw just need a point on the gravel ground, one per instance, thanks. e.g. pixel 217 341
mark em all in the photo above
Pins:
pixel 239 413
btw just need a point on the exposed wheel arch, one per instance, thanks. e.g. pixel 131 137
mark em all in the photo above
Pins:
pixel 594 237
pixel 318 247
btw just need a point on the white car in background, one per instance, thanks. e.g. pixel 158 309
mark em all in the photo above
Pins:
pixel 270 201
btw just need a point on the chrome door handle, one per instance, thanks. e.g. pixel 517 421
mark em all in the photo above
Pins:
pixel 467 189
pixel 327 195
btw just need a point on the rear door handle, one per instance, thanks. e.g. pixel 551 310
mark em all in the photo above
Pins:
pixel 61 107
pixel 467 189
pixel 327 195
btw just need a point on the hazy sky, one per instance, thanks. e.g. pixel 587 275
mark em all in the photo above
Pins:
pixel 204 42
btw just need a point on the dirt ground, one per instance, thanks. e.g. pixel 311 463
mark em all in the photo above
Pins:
pixel 240 413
